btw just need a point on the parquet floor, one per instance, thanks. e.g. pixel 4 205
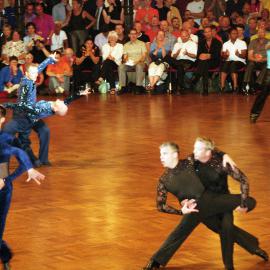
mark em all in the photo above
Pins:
pixel 96 208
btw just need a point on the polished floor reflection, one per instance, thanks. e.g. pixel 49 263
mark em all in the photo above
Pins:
pixel 96 209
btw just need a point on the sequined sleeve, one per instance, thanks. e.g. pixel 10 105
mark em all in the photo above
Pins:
pixel 240 177
pixel 45 63
pixel 23 159
pixel 24 94
pixel 162 201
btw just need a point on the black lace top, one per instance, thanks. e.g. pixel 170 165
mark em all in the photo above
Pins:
pixel 190 178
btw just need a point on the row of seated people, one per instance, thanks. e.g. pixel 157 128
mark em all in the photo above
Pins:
pixel 180 53
pixel 184 54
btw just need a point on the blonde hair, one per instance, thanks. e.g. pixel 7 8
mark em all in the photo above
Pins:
pixel 113 34
pixel 172 145
pixel 209 144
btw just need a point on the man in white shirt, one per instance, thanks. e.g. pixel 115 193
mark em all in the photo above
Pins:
pixel 59 40
pixel 184 55
pixel 102 38
pixel 196 8
pixel 188 27
pixel 234 53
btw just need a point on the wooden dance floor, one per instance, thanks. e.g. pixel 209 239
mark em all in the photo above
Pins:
pixel 96 208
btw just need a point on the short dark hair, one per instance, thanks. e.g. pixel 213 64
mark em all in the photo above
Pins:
pixel 232 29
pixel 30 24
pixel 3 111
pixel 13 58
pixel 240 26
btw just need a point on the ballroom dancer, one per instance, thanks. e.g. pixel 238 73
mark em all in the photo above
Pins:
pixel 181 180
pixel 262 96
pixel 6 179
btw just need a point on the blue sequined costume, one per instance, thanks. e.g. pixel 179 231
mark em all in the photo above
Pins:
pixel 27 96
pixel 6 152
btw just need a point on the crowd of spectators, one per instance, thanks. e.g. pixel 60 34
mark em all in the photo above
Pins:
pixel 172 42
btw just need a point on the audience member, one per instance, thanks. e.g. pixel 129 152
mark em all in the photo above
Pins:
pixel 159 51
pixel 112 53
pixel 134 56
pixel 59 40
pixel 234 53
pixel 209 49
pixel 184 54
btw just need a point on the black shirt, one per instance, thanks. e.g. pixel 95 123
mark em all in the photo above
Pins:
pixel 214 50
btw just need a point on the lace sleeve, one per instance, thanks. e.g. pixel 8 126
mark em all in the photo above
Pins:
pixel 162 201
pixel 240 177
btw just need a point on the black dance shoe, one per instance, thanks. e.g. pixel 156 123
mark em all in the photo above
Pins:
pixel 262 253
pixel 46 163
pixel 229 268
pixel 6 266
pixel 152 265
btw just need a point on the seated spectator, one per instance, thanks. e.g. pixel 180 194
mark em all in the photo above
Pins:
pixel 187 26
pixel 15 47
pixel 29 14
pixel 215 34
pixel 256 60
pixel 211 18
pixel 79 23
pixel 6 36
pixel 173 12
pixel 216 7
pixel 209 49
pixel 119 29
pixel 59 40
pixel 196 7
pixel 246 13
pixel 31 38
pixel 234 53
pixel 204 23
pixel 87 59
pixel 61 11
pixel 152 32
pixel 159 51
pixel 59 75
pixel 240 31
pixel 44 23
pixel 265 14
pixel 10 77
pixel 170 39
pixel 10 14
pixel 141 35
pixel 113 14
pixel 175 27
pixel 224 28
pixel 184 54
pixel 102 38
pixel 112 53
pixel 251 27
pixel 261 25
pixel 29 58
pixel 145 16
pixel 162 10
pixel 134 56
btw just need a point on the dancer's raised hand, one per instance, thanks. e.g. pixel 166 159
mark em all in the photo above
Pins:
pixel 35 175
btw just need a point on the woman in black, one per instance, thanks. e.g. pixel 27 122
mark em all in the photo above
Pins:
pixel 113 14
pixel 79 25
pixel 88 59
pixel 209 50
